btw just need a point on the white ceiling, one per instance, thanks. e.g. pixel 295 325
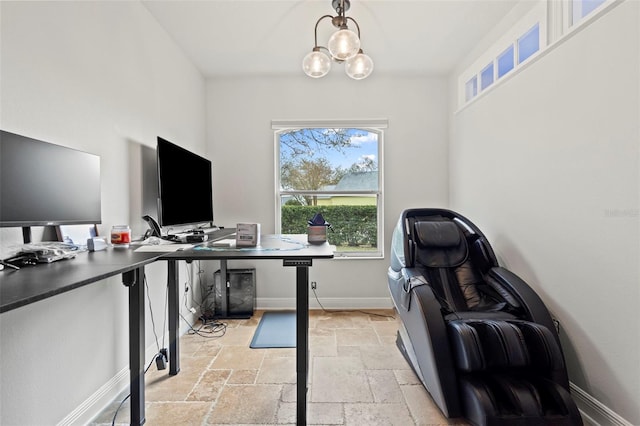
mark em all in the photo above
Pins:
pixel 231 37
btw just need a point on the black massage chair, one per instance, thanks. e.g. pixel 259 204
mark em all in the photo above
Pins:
pixel 479 338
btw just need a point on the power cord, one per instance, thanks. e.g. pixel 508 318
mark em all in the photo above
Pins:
pixel 208 329
pixel 113 421
pixel 190 286
pixel 199 283
pixel 350 310
pixel 161 357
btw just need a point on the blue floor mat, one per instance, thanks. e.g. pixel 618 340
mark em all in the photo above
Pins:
pixel 276 330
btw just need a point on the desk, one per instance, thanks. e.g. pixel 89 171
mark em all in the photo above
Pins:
pixel 31 284
pixel 294 251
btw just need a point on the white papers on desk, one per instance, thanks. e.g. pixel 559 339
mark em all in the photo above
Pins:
pixel 164 248
pixel 227 242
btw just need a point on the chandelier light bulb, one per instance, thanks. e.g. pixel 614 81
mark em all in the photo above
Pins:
pixel 359 67
pixel 316 64
pixel 344 44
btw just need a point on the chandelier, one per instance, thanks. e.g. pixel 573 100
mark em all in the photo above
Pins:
pixel 343 47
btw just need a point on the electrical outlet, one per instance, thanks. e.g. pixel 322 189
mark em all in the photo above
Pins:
pixel 314 285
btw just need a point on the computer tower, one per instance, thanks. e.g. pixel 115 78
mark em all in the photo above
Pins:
pixel 235 296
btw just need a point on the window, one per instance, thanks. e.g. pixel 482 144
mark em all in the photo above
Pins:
pixel 529 43
pixel 582 8
pixel 526 38
pixel 332 168
pixel 543 25
pixel 471 88
pixel 505 61
pixel 486 77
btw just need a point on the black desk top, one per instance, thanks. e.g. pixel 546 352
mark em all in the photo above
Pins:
pixel 32 283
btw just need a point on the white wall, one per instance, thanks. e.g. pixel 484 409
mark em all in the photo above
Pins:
pixel 95 76
pixel 241 147
pixel 548 165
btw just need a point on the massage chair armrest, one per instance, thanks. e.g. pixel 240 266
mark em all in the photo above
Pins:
pixel 512 286
pixel 424 321
pixel 418 295
pixel 412 277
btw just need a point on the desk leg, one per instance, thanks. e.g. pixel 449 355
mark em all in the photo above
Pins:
pixel 135 281
pixel 174 316
pixel 302 342
pixel 224 290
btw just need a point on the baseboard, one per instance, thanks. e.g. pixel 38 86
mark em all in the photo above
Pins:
pixel 595 413
pixel 270 303
pixel 100 399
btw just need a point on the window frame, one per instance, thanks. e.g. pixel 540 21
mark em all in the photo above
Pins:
pixel 536 15
pixel 569 24
pixel 374 125
pixel 556 25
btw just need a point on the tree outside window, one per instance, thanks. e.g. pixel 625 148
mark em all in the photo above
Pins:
pixel 335 172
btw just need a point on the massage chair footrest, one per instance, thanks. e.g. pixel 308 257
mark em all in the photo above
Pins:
pixel 480 345
pixel 495 400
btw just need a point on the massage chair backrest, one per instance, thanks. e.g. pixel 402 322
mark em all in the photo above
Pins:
pixel 442 243
pixel 479 247
pixel 439 244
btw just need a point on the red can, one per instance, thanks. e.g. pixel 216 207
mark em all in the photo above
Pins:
pixel 121 236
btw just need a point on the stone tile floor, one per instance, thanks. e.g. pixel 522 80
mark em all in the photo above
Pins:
pixel 357 376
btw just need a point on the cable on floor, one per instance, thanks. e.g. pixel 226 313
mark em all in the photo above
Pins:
pixel 113 422
pixel 210 329
pixel 350 310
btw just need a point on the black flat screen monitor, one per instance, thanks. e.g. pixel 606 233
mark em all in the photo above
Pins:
pixel 46 184
pixel 185 188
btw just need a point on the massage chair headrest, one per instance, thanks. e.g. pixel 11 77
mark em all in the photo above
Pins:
pixel 439 244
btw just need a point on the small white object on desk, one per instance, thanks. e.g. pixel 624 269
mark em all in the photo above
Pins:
pixel 96 244
pixel 247 234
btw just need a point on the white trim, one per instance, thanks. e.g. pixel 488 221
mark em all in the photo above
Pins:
pixel 593 411
pixel 376 123
pixel 100 399
pixel 271 303
pixel 107 393
pixel 556 14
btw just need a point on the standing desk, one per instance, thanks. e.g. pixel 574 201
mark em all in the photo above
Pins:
pixel 34 283
pixel 294 251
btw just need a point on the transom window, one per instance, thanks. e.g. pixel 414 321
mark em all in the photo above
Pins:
pixel 582 8
pixel 515 54
pixel 334 169
pixel 544 25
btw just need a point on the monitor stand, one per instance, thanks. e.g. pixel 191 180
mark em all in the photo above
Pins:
pixel 50 233
pixel 26 234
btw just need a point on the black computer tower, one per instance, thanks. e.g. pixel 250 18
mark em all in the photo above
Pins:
pixel 235 297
